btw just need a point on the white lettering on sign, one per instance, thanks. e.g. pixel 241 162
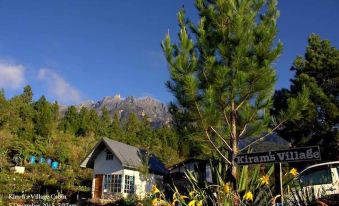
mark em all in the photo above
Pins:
pixel 292 155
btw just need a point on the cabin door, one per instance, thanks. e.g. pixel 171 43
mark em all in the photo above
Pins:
pixel 98 186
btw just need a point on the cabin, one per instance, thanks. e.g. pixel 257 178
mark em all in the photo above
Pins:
pixel 201 168
pixel 177 173
pixel 119 168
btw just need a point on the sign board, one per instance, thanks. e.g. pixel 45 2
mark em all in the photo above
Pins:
pixel 292 155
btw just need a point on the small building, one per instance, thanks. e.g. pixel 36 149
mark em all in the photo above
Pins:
pixel 119 168
pixel 199 167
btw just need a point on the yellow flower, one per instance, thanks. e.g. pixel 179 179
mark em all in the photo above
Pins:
pixel 173 203
pixel 227 188
pixel 192 203
pixel 248 196
pixel 159 202
pixel 154 190
pixel 294 172
pixel 200 203
pixel 183 197
pixel 155 201
pixel 265 180
pixel 191 194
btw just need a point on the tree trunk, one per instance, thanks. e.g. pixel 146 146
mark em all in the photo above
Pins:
pixel 234 144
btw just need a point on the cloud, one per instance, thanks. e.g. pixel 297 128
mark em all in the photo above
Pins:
pixel 12 76
pixel 58 87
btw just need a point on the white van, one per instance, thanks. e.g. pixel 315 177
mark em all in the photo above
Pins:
pixel 322 179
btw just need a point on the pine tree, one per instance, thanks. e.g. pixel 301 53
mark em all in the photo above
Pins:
pixel 84 120
pixel 145 135
pixel 55 109
pixel 94 124
pixel 3 106
pixel 43 119
pixel 70 122
pixel 318 71
pixel 115 129
pixel 105 121
pixel 132 127
pixel 222 73
pixel 28 94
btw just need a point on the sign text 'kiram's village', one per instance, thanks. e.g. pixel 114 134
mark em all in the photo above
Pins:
pixel 291 155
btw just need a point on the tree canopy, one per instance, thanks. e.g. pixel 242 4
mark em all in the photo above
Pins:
pixel 38 128
pixel 318 71
pixel 223 76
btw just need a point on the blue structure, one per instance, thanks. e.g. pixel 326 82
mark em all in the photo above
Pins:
pixel 55 165
pixel 32 160
pixel 42 160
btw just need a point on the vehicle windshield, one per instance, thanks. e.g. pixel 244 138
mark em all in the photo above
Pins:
pixel 316 176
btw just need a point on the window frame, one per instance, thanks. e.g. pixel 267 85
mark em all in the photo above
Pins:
pixel 109 155
pixel 112 183
pixel 129 186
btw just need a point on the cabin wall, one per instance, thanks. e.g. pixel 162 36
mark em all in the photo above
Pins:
pixel 143 185
pixel 103 166
pixel 192 167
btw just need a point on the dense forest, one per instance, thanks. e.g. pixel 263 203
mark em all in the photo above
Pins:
pixel 38 128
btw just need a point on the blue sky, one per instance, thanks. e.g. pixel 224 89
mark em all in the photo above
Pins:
pixel 73 51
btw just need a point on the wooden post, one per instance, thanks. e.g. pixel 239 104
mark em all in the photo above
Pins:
pixel 281 184
pixel 278 187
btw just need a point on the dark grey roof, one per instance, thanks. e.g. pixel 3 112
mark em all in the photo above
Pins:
pixel 129 156
pixel 187 161
pixel 269 143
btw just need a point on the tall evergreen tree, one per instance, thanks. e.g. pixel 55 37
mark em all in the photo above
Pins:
pixel 43 119
pixel 132 126
pixel 115 129
pixel 3 107
pixel 222 74
pixel 94 124
pixel 105 121
pixel 318 70
pixel 70 122
pixel 146 134
pixel 28 94
pixel 84 122
pixel 55 109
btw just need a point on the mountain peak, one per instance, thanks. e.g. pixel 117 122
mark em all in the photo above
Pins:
pixel 156 111
pixel 117 97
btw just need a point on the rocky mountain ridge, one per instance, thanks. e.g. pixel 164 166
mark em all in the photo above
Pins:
pixel 156 111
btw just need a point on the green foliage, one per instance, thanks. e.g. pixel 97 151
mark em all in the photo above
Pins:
pixel 317 74
pixel 132 127
pixel 70 122
pixel 30 127
pixel 229 65
pixel 222 76
pixel 43 119
pixel 105 121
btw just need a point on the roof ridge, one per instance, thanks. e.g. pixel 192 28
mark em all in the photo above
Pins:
pixel 112 140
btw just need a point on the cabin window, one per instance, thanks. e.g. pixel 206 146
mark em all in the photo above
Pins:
pixel 129 184
pixel 109 155
pixel 112 183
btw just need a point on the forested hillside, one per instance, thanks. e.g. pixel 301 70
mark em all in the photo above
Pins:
pixel 37 128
